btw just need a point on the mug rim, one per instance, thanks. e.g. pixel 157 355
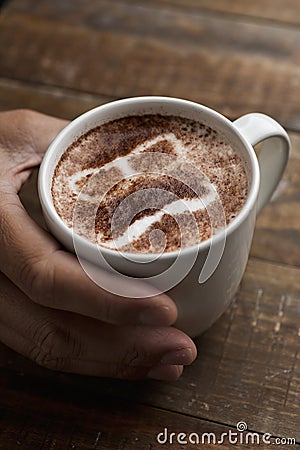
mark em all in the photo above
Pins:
pixel 46 198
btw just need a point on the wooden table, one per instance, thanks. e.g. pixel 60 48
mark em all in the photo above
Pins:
pixel 63 57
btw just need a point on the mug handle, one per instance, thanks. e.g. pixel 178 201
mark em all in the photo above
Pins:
pixel 273 157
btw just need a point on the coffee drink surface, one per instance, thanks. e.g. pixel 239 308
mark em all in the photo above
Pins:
pixel 149 184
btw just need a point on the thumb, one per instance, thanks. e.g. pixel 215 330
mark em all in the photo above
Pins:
pixel 44 129
pixel 24 137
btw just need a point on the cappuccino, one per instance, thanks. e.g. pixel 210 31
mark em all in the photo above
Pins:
pixel 149 183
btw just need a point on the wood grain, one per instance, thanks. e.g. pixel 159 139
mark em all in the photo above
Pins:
pixel 63 103
pixel 125 49
pixel 283 11
pixel 57 418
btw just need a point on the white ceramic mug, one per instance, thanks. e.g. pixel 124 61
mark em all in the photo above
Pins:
pixel 203 279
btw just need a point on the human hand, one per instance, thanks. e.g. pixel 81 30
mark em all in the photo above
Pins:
pixel 50 311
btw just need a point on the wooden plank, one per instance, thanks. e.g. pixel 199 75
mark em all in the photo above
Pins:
pixel 58 102
pixel 45 416
pixel 286 11
pixel 125 49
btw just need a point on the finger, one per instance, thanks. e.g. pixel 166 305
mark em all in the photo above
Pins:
pixel 123 351
pixel 72 343
pixel 34 261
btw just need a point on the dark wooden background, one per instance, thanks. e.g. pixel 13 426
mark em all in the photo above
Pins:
pixel 63 57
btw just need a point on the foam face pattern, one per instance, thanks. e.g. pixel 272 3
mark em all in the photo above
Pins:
pixel 149 183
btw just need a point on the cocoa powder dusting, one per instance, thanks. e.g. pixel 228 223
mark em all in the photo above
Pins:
pixel 93 183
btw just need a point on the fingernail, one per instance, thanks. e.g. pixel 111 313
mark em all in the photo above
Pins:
pixel 183 356
pixel 157 316
pixel 165 373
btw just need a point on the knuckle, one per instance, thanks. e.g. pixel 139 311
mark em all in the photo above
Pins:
pixel 130 361
pixel 132 357
pixel 46 342
pixel 119 310
pixel 41 282
pixel 54 347
pixel 139 354
pixel 109 310
pixel 161 335
pixel 28 276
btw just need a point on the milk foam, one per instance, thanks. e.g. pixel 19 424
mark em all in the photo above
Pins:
pixel 122 163
pixel 215 176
